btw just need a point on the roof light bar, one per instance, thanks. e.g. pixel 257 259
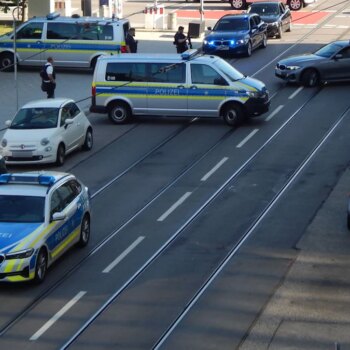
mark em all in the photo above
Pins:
pixel 45 180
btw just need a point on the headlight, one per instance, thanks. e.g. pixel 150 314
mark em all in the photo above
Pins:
pixel 45 141
pixel 255 94
pixel 240 41
pixel 274 24
pixel 21 254
pixel 292 67
pixel 205 42
pixel 3 142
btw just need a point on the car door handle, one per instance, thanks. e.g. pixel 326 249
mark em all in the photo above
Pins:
pixel 39 42
pixel 193 87
pixel 180 87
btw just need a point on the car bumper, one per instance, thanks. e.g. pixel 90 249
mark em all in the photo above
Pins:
pixel 224 50
pixel 257 106
pixel 29 157
pixel 17 270
pixel 287 75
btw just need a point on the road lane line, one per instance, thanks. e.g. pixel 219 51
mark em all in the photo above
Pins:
pixel 174 206
pixel 115 262
pixel 274 113
pixel 295 92
pixel 212 171
pixel 55 318
pixel 247 138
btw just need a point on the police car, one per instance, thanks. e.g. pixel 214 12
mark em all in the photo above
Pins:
pixel 42 215
pixel 186 85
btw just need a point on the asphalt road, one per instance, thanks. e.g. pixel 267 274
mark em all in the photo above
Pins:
pixel 197 276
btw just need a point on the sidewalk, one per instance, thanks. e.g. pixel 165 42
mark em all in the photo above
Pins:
pixel 311 308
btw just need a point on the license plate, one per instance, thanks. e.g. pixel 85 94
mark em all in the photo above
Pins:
pixel 223 47
pixel 22 154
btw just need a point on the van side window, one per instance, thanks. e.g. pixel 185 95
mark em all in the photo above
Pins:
pixel 126 72
pixel 62 31
pixel 167 73
pixel 30 31
pixel 204 74
pixel 96 32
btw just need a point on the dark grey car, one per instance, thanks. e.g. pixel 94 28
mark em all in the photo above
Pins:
pixel 330 63
pixel 277 16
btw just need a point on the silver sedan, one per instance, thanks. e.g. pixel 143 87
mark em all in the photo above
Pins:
pixel 330 63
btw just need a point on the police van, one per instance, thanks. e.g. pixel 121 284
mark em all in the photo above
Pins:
pixel 190 84
pixel 72 42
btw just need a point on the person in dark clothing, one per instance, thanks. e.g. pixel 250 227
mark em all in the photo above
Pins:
pixel 180 40
pixel 131 43
pixel 3 169
pixel 49 78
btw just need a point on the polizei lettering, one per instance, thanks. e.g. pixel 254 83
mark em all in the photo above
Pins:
pixel 167 92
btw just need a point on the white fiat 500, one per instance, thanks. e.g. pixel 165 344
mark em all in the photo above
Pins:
pixel 45 131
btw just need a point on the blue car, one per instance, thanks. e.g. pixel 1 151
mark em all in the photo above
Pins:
pixel 236 34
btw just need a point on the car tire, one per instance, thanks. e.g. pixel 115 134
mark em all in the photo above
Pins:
pixel 238 4
pixel 249 49
pixel 289 29
pixel 89 140
pixel 348 221
pixel 7 62
pixel 310 77
pixel 295 5
pixel 119 112
pixel 60 155
pixel 40 266
pixel 264 42
pixel 84 232
pixel 233 114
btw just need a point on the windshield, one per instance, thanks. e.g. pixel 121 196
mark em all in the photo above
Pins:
pixel 35 118
pixel 21 208
pixel 264 9
pixel 328 50
pixel 232 73
pixel 232 24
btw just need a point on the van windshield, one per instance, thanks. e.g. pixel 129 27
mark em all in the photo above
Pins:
pixel 232 73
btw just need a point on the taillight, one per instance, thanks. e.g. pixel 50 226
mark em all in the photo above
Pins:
pixel 123 49
pixel 93 90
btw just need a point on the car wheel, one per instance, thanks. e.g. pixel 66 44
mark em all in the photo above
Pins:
pixel 89 140
pixel 233 114
pixel 7 62
pixel 84 232
pixel 41 266
pixel 238 4
pixel 248 51
pixel 61 155
pixel 264 42
pixel 119 112
pixel 295 5
pixel 310 78
pixel 289 29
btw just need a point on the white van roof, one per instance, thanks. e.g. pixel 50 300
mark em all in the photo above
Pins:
pixel 56 17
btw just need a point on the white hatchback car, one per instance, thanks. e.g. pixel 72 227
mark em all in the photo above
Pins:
pixel 44 131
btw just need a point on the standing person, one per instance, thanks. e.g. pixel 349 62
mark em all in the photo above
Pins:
pixel 48 76
pixel 131 43
pixel 180 40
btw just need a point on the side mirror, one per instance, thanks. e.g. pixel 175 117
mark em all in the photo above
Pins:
pixel 59 216
pixel 69 121
pixel 8 123
pixel 338 56
pixel 209 28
